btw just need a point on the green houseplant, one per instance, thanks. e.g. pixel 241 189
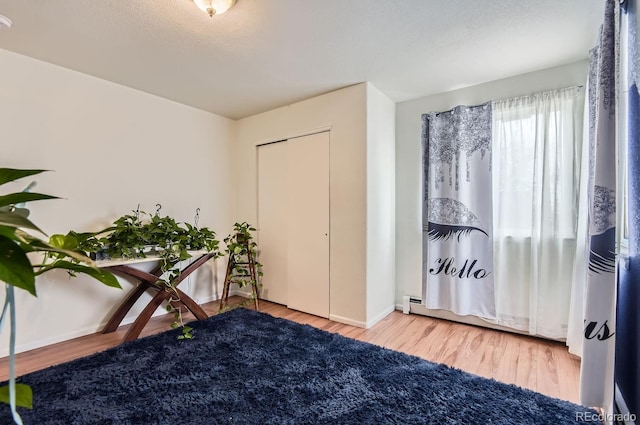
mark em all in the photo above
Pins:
pixel 139 235
pixel 242 250
pixel 23 257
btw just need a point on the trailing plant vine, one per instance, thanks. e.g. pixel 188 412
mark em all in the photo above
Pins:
pixel 140 234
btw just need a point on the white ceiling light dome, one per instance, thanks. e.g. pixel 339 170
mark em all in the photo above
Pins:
pixel 214 7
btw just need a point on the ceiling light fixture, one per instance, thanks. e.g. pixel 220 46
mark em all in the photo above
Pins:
pixel 214 7
pixel 5 23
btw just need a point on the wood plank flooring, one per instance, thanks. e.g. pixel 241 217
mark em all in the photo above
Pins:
pixel 537 364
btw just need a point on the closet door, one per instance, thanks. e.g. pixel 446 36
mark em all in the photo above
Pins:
pixel 293 222
pixel 307 232
pixel 273 220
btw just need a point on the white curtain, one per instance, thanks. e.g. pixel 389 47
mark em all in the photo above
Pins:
pixel 576 309
pixel 537 159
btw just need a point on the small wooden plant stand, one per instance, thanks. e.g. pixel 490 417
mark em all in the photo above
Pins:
pixel 246 262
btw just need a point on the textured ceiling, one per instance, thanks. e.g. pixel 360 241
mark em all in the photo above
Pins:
pixel 263 54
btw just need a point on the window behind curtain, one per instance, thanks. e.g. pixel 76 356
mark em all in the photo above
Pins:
pixel 536 164
pixel 537 159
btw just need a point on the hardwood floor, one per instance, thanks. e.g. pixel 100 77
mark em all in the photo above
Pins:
pixel 537 364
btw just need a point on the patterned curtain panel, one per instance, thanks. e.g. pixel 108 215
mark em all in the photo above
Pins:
pixel 596 383
pixel 628 307
pixel 457 211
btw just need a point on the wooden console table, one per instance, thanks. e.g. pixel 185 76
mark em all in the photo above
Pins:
pixel 149 281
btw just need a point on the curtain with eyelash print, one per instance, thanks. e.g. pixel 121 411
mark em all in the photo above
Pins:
pixel 598 345
pixel 457 211
pixel 627 369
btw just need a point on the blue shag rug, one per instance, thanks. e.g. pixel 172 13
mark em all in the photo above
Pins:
pixel 246 367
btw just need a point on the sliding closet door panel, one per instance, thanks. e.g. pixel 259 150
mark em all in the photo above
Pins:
pixel 272 220
pixel 308 223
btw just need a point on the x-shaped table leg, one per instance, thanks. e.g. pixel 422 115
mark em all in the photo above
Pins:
pixel 150 280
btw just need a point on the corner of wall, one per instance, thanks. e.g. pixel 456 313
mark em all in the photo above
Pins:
pixel 380 215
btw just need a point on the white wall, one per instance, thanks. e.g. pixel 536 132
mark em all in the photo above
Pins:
pixel 111 147
pixel 381 205
pixel 408 156
pixel 362 191
pixel 344 113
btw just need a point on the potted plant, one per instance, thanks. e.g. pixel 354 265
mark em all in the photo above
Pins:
pixel 18 269
pixel 140 235
pixel 243 267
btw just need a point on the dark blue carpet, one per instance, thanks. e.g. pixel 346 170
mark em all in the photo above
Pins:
pixel 250 368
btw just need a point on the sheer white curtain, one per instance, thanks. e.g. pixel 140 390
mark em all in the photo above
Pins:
pixel 537 146
pixel 575 330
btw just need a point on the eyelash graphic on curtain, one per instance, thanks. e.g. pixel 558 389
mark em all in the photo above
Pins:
pixel 602 255
pixel 601 258
pixel 448 218
pixel 444 231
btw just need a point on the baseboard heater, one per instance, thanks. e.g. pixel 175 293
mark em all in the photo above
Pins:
pixel 413 305
pixel 407 301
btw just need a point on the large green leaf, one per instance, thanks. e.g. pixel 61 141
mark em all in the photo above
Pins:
pixel 15 268
pixel 64 241
pixel 99 274
pixel 9 232
pixel 24 395
pixel 32 244
pixel 11 174
pixel 13 219
pixel 20 197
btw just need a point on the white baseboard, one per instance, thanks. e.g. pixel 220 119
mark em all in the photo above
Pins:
pixel 347 321
pixel 241 293
pixel 384 313
pixel 368 324
pixel 32 345
pixel 414 305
